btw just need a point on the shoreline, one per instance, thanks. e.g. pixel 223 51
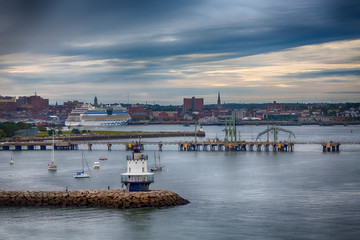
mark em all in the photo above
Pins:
pixel 123 135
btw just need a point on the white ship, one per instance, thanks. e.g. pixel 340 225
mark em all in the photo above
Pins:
pixel 87 115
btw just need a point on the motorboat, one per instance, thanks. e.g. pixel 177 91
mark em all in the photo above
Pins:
pixel 96 165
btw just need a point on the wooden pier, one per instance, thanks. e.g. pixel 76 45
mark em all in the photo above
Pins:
pixel 237 146
pixel 18 146
pixel 182 146
pixel 331 147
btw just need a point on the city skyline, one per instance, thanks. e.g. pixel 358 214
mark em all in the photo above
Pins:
pixel 164 51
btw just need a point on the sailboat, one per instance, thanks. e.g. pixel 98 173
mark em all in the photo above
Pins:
pixel 52 166
pixel 156 167
pixel 11 160
pixel 83 174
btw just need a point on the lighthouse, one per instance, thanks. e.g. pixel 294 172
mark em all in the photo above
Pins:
pixel 137 178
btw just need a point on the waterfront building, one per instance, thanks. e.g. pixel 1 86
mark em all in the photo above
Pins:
pixel 32 132
pixel 165 115
pixel 138 113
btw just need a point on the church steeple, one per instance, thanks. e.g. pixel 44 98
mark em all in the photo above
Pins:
pixel 219 101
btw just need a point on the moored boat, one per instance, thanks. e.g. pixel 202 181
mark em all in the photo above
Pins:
pixel 52 166
pixel 96 165
pixel 82 173
pixel 87 115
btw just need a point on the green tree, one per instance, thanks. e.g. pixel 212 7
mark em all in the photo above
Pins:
pixel 2 133
pixel 75 131
pixel 51 132
pixel 42 128
pixel 9 128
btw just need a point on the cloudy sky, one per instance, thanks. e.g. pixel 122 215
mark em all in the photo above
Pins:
pixel 161 51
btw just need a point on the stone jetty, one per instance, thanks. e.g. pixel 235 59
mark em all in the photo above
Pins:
pixel 117 198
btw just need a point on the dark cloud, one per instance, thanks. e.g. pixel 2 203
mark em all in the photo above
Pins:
pixel 49 25
pixel 160 32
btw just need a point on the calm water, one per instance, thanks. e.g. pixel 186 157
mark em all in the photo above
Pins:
pixel 306 194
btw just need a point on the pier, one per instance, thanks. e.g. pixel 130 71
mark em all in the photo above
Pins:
pixel 252 146
pixel 237 146
pixel 18 146
pixel 331 147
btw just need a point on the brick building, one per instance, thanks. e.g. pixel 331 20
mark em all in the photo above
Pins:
pixel 33 103
pixel 193 104
pixel 7 105
pixel 165 115
pixel 139 113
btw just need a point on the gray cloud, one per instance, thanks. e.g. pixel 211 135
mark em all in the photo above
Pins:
pixel 161 41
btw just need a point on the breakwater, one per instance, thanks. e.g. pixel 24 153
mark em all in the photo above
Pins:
pixel 117 198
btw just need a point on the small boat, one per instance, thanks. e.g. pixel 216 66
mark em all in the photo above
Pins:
pixel 103 158
pixel 156 167
pixel 96 165
pixel 83 174
pixel 11 160
pixel 52 166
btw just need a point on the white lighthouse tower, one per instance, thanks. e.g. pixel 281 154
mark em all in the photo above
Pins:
pixel 137 178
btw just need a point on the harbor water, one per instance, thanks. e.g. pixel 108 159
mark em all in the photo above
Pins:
pixel 305 194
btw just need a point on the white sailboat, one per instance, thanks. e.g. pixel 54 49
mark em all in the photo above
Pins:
pixel 52 166
pixel 83 174
pixel 156 167
pixel 11 160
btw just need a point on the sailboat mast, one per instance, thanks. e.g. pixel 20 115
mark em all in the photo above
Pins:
pixel 82 161
pixel 53 148
pixel 155 159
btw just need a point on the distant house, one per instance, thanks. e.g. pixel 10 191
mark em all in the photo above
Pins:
pixel 165 115
pixel 32 132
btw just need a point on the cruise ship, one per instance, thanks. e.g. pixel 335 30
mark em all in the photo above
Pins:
pixel 88 115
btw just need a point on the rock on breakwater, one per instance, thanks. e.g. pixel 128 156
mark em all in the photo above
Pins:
pixel 92 198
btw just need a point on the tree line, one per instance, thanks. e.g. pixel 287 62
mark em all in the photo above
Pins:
pixel 8 129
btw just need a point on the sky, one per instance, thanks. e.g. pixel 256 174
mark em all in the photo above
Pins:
pixel 161 51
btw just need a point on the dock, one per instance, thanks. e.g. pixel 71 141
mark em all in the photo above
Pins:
pixel 282 146
pixel 18 146
pixel 237 146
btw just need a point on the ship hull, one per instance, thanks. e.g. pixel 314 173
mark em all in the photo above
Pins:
pixel 95 123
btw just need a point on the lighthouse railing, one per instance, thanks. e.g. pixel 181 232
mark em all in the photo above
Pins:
pixel 137 178
pixel 142 157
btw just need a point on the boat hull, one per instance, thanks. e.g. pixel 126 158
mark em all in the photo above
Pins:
pixel 95 123
pixel 82 176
